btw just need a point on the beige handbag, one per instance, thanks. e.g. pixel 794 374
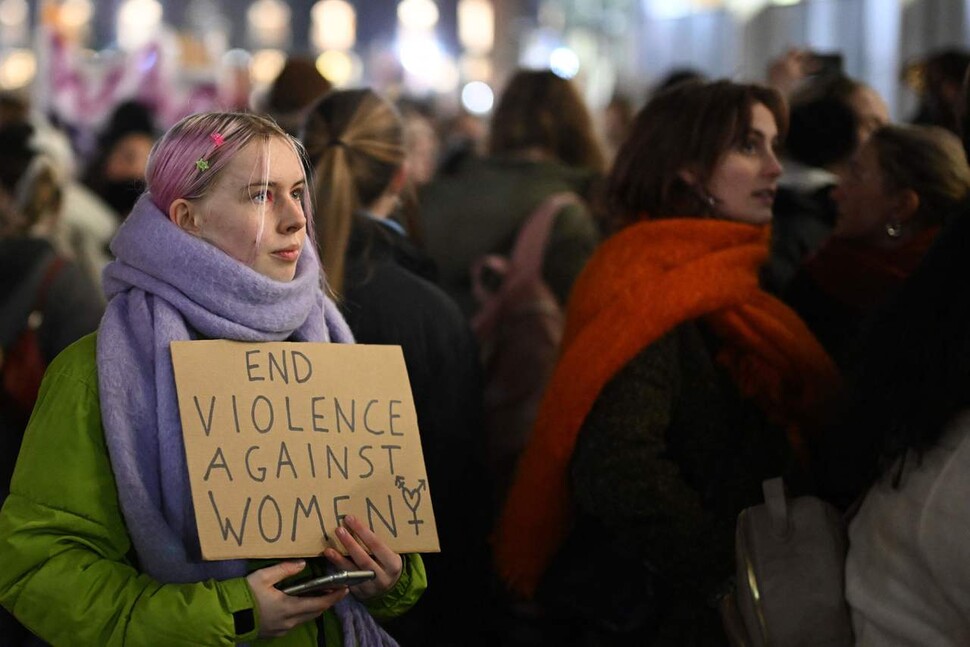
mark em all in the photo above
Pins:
pixel 790 558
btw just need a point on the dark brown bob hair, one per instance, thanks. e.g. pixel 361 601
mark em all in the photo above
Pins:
pixel 539 109
pixel 688 127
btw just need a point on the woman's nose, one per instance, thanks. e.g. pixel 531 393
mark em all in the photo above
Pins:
pixel 772 166
pixel 293 217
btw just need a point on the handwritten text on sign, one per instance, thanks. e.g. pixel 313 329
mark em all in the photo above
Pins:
pixel 283 440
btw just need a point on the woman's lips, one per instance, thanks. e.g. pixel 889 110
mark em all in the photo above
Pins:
pixel 766 197
pixel 290 254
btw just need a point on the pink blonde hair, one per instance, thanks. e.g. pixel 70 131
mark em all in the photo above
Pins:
pixel 172 172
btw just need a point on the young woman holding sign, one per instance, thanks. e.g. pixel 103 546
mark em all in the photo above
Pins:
pixel 98 536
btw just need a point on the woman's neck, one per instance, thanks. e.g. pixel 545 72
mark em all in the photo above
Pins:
pixel 882 241
pixel 384 206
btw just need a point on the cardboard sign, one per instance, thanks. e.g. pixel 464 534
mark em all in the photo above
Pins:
pixel 283 440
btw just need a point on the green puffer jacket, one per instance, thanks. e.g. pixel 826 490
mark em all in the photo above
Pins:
pixel 68 569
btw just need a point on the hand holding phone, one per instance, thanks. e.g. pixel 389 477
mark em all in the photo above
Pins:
pixel 330 582
pixel 277 613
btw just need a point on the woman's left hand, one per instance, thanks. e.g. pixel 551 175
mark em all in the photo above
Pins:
pixel 366 552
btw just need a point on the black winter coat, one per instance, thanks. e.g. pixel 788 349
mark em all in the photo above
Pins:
pixel 389 299
pixel 666 459
pixel 72 309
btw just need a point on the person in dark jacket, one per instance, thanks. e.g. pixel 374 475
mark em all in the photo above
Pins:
pixel 681 385
pixel 31 271
pixel 830 118
pixel 938 79
pixel 541 143
pixel 901 186
pixel 904 459
pixel 354 140
pixel 40 291
pixel 116 173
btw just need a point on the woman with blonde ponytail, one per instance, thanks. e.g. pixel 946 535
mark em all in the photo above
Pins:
pixel 383 285
pixel 354 141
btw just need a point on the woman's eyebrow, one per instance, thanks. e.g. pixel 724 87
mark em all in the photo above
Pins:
pixel 273 184
pixel 761 136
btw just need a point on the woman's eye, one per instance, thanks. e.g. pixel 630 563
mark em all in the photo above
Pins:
pixel 749 147
pixel 259 197
pixel 299 195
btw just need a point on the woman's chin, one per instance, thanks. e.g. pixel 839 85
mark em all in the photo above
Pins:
pixel 283 274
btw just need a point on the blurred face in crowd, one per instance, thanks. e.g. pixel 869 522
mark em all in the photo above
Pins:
pixel 744 181
pixel 870 110
pixel 255 216
pixel 864 203
pixel 128 158
pixel 421 143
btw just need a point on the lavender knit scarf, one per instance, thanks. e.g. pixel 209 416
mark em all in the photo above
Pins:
pixel 167 285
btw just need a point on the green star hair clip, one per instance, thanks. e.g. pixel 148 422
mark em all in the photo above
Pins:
pixel 202 164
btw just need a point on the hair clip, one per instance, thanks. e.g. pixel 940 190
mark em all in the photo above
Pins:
pixel 217 139
pixel 202 164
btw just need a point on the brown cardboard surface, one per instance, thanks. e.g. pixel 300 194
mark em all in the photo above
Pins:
pixel 284 439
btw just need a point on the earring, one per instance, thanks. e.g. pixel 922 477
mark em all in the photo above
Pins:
pixel 708 199
pixel 894 229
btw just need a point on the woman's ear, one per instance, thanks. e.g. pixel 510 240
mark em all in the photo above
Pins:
pixel 907 204
pixel 182 213
pixel 399 180
pixel 688 176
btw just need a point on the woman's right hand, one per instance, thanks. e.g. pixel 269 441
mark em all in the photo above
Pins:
pixel 279 612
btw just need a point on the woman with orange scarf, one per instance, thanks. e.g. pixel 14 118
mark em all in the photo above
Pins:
pixel 900 187
pixel 681 385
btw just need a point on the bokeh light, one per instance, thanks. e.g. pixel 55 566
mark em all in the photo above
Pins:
pixel 339 67
pixel 417 14
pixel 17 69
pixel 477 98
pixel 138 22
pixel 564 62
pixel 266 65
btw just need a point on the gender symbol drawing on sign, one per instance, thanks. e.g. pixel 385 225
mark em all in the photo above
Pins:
pixel 412 499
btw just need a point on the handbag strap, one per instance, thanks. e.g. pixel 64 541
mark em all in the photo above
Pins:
pixel 53 269
pixel 777 504
pixel 36 315
pixel 530 244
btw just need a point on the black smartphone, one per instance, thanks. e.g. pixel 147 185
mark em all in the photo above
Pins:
pixel 320 585
pixel 826 64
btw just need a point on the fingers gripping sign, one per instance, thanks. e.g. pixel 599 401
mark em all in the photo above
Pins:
pixel 279 612
pixel 365 550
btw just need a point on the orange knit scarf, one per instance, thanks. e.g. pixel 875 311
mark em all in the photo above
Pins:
pixel 642 283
